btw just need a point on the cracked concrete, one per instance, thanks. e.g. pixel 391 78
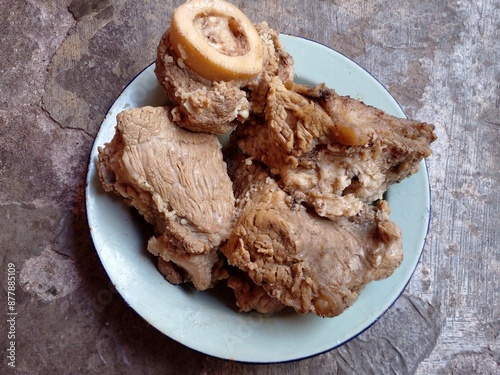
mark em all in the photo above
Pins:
pixel 396 354
pixel 63 64
pixel 49 275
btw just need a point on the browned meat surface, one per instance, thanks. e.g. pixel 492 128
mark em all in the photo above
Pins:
pixel 180 267
pixel 178 181
pixel 216 107
pixel 200 105
pixel 308 262
pixel 250 296
pixel 333 152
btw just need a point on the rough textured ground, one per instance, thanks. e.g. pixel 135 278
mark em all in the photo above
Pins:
pixel 62 64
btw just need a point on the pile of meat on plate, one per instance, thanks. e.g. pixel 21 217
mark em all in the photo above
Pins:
pixel 290 212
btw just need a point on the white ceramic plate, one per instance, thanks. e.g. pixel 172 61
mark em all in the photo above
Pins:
pixel 205 321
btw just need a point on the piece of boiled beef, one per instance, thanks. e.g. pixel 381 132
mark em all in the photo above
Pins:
pixel 178 181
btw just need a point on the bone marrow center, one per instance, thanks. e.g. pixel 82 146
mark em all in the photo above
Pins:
pixel 223 34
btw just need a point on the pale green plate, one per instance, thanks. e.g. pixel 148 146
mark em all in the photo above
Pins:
pixel 205 321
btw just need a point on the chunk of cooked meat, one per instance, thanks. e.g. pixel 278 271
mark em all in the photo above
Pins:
pixel 278 63
pixel 333 152
pixel 181 267
pixel 200 105
pixel 216 107
pixel 308 262
pixel 250 296
pixel 178 181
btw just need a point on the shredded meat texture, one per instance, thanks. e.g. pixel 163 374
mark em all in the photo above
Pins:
pixel 333 152
pixel 217 107
pixel 177 180
pixel 313 264
pixel 250 296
